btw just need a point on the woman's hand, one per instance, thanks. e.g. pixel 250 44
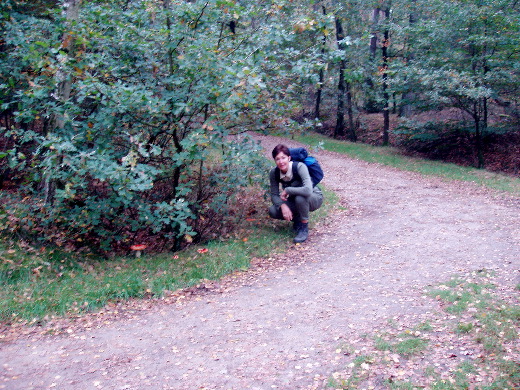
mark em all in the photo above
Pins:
pixel 284 195
pixel 286 212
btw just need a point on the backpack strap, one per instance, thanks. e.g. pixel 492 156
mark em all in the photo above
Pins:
pixel 295 174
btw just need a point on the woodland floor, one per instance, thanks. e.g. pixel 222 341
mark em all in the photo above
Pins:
pixel 281 324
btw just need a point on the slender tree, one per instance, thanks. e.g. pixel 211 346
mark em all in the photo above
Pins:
pixel 384 75
pixel 321 74
pixel 339 129
pixel 406 109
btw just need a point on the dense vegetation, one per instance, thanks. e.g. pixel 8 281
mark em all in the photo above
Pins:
pixel 123 120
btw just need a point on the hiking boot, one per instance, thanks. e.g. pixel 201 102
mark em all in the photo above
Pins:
pixel 296 226
pixel 303 233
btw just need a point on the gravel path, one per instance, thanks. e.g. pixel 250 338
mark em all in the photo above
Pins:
pixel 279 327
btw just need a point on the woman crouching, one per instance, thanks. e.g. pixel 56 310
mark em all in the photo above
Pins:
pixel 297 197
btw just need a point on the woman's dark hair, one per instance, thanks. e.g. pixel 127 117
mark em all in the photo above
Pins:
pixel 280 148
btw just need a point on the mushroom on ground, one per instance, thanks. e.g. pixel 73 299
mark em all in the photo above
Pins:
pixel 138 249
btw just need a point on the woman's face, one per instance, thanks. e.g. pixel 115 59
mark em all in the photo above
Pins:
pixel 282 161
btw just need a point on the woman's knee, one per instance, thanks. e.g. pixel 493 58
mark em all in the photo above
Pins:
pixel 274 212
pixel 301 201
pixel 315 203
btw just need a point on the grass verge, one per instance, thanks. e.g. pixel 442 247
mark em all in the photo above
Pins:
pixel 392 157
pixel 41 283
pixel 471 343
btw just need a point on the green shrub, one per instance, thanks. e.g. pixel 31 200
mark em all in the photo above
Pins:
pixel 129 126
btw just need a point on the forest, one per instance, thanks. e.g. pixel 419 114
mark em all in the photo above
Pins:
pixel 125 119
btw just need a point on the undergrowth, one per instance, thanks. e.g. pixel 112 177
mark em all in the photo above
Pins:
pixel 39 283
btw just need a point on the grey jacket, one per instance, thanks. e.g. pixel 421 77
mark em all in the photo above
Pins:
pixel 295 187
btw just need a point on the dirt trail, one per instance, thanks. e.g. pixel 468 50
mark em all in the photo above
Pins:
pixel 280 328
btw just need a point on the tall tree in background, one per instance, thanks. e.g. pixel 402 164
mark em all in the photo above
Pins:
pixel 345 102
pixel 472 57
pixel 374 38
pixel 321 72
pixel 339 129
pixel 385 57
pixel 378 92
pixel 406 108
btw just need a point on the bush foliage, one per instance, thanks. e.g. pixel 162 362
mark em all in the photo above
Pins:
pixel 127 119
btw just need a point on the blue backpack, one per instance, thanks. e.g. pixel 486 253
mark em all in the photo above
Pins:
pixel 301 155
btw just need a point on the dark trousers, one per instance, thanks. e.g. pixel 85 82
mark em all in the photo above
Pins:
pixel 300 207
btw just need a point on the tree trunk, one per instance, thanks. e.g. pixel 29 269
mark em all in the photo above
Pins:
pixel 480 109
pixel 484 113
pixel 171 63
pixel 480 128
pixel 318 95
pixel 63 78
pixel 321 78
pixel 352 136
pixel 344 92
pixel 371 104
pixel 373 38
pixel 484 129
pixel 386 96
pixel 409 96
pixel 339 130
